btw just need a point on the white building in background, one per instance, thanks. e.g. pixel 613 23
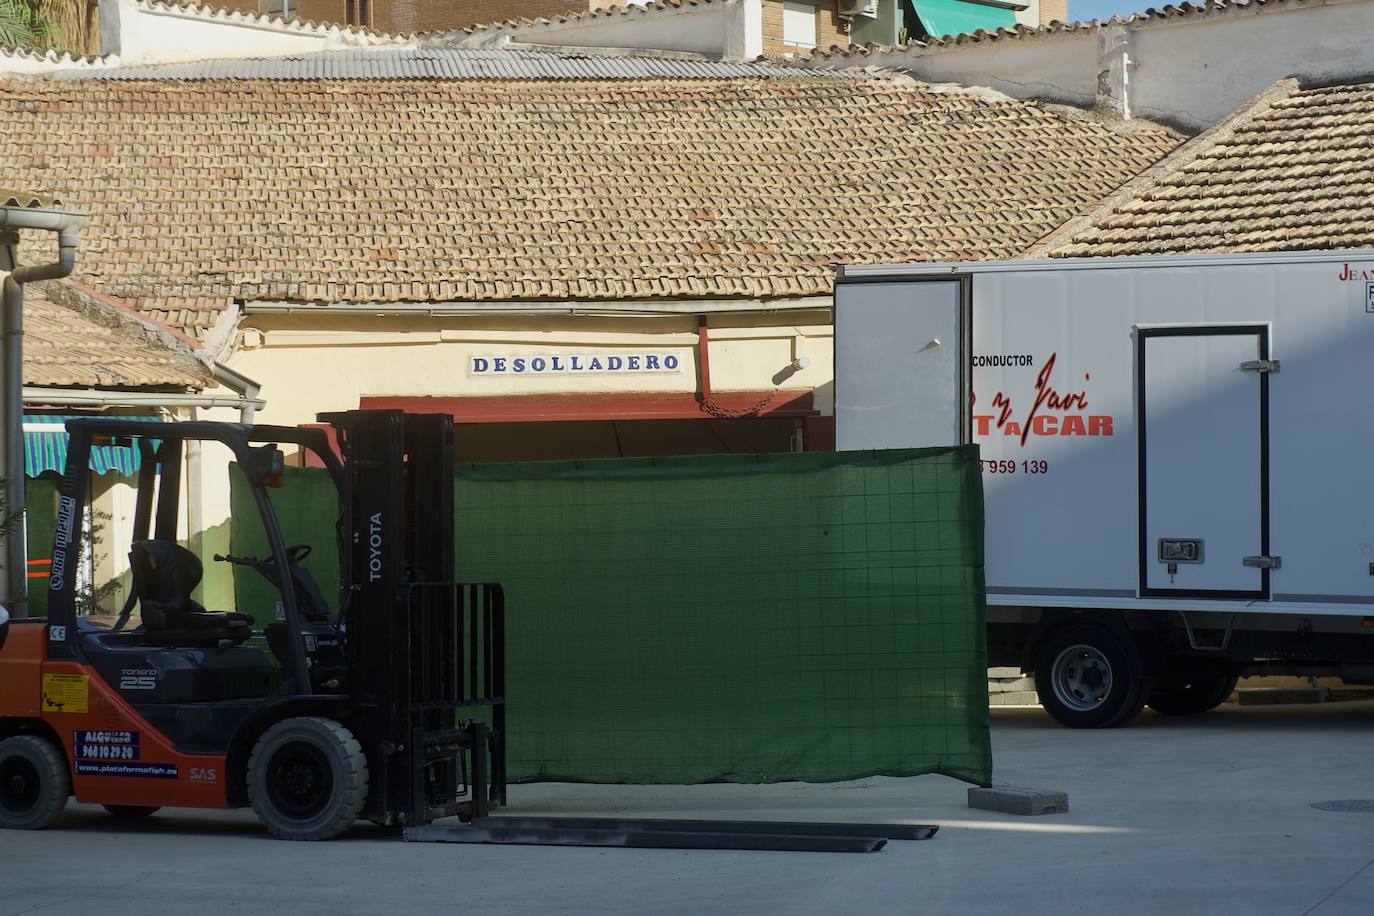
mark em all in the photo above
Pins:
pixel 1184 66
pixel 746 29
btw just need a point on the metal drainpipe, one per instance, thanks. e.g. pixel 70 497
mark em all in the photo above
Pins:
pixel 195 525
pixel 247 389
pixel 66 225
pixel 703 361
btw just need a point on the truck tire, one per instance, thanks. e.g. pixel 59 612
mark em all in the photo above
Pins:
pixel 34 782
pixel 307 779
pixel 1087 677
pixel 1192 693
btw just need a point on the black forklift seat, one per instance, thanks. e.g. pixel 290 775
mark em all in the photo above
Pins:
pixel 164 575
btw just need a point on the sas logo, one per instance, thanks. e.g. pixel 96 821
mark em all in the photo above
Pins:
pixel 204 774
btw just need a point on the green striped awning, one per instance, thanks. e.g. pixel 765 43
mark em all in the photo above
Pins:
pixel 942 18
pixel 45 448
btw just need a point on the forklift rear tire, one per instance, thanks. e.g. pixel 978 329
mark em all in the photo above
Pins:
pixel 131 812
pixel 34 783
pixel 307 779
pixel 1087 678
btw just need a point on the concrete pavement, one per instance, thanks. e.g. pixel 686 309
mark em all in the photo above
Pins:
pixel 1205 815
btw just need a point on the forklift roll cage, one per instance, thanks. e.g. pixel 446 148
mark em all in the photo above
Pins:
pixel 424 655
pixel 164 461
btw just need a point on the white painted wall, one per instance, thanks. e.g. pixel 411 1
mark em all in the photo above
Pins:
pixel 150 32
pixel 1188 71
pixel 1196 74
pixel 730 31
pixel 1060 67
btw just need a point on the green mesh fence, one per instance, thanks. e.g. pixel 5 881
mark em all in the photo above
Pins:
pixel 307 508
pixel 40 524
pixel 732 618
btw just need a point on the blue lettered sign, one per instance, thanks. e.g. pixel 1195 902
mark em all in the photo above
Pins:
pixel 574 363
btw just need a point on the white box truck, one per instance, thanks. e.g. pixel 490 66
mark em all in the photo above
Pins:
pixel 1176 459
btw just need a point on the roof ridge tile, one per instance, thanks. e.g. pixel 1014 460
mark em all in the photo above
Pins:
pixel 1168 12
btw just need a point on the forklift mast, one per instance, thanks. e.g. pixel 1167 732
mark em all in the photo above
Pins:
pixel 425 653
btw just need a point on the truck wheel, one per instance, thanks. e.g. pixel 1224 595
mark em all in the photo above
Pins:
pixel 307 779
pixel 131 812
pixel 1192 693
pixel 1086 678
pixel 34 783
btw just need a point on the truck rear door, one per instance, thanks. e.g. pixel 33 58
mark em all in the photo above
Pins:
pixel 901 362
pixel 1202 403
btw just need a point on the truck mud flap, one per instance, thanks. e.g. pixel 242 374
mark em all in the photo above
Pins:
pixel 782 836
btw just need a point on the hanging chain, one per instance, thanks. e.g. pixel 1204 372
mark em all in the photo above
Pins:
pixel 726 413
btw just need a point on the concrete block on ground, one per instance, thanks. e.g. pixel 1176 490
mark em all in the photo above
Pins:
pixel 1265 696
pixel 1012 800
pixel 1017 698
pixel 1004 673
pixel 1338 694
pixel 1011 685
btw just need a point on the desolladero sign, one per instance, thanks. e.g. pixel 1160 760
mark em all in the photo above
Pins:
pixel 579 363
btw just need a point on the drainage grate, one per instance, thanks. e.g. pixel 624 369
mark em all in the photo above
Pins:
pixel 1356 805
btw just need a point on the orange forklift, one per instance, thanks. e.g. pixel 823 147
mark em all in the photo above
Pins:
pixel 388 707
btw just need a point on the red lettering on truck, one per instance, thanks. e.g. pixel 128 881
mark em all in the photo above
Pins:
pixel 1040 420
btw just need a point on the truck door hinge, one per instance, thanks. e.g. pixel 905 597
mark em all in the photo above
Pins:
pixel 1260 365
pixel 1263 562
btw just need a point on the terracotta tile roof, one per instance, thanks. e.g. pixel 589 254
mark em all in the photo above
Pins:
pixel 84 345
pixel 336 191
pixel 1283 173
pixel 194 316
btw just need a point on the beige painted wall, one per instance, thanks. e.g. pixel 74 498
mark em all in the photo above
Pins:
pixel 307 364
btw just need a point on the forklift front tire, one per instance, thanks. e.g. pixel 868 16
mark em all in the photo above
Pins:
pixel 307 779
pixel 34 783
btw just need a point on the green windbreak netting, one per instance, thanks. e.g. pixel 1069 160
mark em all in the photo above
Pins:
pixel 733 618
pixel 41 522
pixel 307 508
pixel 742 618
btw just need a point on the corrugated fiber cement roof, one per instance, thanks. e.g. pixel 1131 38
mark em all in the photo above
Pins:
pixel 453 64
